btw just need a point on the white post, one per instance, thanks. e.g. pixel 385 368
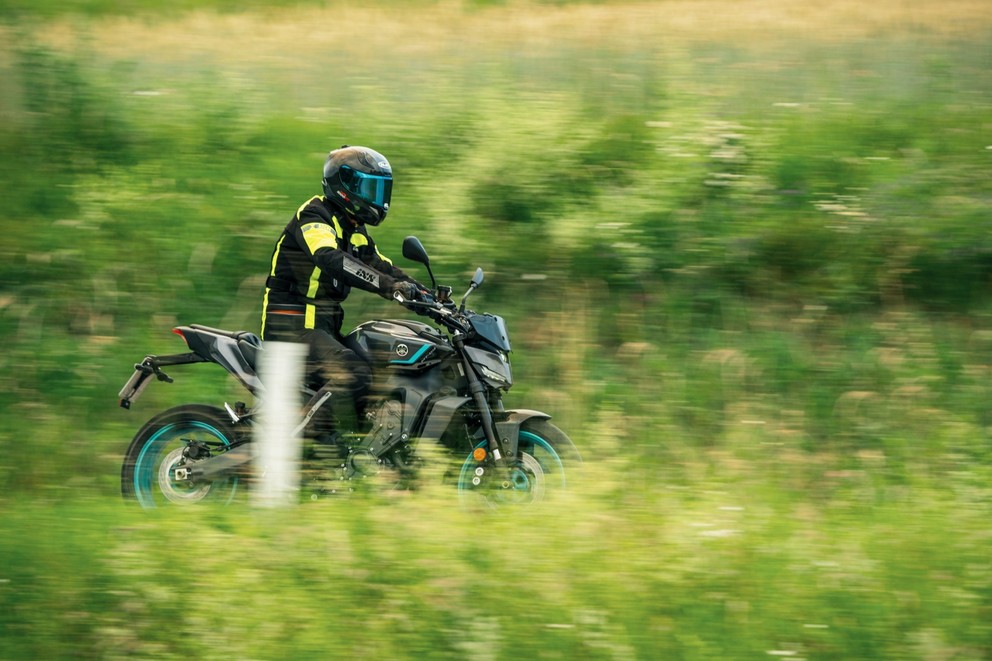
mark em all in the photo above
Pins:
pixel 277 437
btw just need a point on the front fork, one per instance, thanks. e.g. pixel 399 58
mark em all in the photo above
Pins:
pixel 502 456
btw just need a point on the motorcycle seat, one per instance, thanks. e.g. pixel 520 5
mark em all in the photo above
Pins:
pixel 250 346
pixel 249 343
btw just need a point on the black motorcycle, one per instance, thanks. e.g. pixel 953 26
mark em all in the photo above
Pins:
pixel 428 387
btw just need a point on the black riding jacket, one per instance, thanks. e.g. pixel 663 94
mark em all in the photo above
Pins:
pixel 317 260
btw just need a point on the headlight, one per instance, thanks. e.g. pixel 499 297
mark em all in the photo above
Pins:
pixel 494 375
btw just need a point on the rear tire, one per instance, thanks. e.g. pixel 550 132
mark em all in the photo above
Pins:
pixel 157 448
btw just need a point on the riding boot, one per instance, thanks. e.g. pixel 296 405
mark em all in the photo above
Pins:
pixel 334 423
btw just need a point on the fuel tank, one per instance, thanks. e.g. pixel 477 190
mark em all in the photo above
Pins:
pixel 400 344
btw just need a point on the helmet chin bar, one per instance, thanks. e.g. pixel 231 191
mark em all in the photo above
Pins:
pixel 363 216
pixel 374 216
pixel 354 209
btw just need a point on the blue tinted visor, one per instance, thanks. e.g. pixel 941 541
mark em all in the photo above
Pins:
pixel 372 188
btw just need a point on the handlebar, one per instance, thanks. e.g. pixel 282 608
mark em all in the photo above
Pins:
pixel 444 313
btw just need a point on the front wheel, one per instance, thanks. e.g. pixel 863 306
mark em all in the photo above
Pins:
pixel 544 451
pixel 163 445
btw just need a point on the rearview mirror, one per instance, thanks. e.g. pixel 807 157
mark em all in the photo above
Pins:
pixel 413 250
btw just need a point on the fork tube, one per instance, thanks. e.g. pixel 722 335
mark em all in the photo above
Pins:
pixel 477 390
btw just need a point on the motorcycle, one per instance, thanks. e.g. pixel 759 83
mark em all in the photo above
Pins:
pixel 431 386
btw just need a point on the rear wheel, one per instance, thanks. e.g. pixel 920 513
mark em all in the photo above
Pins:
pixel 163 445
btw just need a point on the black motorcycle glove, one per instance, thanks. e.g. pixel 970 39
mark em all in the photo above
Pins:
pixel 408 290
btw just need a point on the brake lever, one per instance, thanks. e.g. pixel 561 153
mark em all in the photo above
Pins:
pixel 432 304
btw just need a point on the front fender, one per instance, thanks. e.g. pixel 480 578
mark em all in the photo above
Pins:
pixel 508 423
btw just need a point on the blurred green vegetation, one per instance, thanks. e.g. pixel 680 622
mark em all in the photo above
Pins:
pixel 745 262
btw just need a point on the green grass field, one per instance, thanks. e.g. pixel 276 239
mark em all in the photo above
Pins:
pixel 743 249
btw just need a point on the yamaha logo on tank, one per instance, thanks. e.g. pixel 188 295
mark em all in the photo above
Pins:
pixel 402 350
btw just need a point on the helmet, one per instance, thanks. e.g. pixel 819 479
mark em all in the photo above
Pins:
pixel 360 181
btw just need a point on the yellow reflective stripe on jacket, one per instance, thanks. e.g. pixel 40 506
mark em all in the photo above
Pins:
pixel 314 282
pixel 275 255
pixel 311 317
pixel 359 240
pixel 265 306
pixel 319 235
pixel 308 203
pixel 272 271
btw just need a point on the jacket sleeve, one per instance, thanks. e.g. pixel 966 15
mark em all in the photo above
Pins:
pixel 320 240
pixel 371 256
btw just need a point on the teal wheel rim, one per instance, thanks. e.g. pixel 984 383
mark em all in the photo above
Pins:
pixel 531 443
pixel 146 468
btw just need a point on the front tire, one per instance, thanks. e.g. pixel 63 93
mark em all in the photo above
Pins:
pixel 544 450
pixel 147 475
pixel 550 446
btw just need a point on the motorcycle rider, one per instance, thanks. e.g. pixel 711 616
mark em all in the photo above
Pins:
pixel 323 253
